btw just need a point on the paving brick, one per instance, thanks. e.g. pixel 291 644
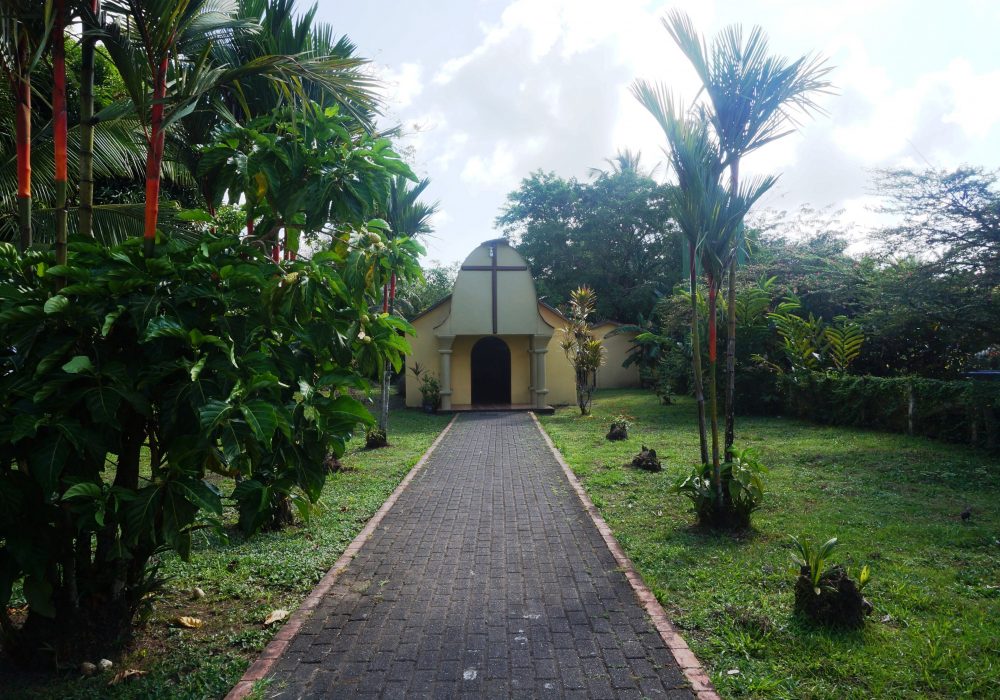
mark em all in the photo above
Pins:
pixel 486 579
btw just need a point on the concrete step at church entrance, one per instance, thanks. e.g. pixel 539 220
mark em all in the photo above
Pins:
pixel 498 408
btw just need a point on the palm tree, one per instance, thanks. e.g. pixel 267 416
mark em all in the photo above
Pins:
pixel 624 161
pixel 408 218
pixel 59 127
pixel 690 148
pixel 89 22
pixel 312 69
pixel 710 215
pixel 24 26
pixel 162 49
pixel 291 60
pixel 754 98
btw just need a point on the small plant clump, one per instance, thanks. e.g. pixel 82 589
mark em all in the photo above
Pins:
pixel 618 430
pixel 375 438
pixel 647 460
pixel 430 388
pixel 332 463
pixel 828 596
pixel 743 493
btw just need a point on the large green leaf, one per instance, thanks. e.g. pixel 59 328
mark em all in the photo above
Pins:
pixel 56 304
pixel 200 493
pixel 48 460
pixel 262 417
pixel 164 327
pixel 38 593
pixel 80 363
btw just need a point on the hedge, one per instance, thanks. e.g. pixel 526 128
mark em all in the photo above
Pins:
pixel 957 411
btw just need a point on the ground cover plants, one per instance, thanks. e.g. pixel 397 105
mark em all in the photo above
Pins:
pixel 244 580
pixel 894 502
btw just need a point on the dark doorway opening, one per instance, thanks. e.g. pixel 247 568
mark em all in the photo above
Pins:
pixel 490 371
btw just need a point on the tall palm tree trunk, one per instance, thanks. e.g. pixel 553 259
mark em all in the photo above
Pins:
pixel 734 185
pixel 699 391
pixel 87 50
pixel 154 159
pixel 22 137
pixel 59 128
pixel 713 389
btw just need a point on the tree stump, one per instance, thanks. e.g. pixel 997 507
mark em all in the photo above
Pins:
pixel 617 432
pixel 646 459
pixel 839 602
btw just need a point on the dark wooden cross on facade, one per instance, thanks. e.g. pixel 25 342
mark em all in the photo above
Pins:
pixel 494 268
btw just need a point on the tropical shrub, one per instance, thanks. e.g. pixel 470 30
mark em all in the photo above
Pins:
pixel 584 351
pixel 744 490
pixel 127 382
pixel 375 438
pixel 430 387
pixel 811 344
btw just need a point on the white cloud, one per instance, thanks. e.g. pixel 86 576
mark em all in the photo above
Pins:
pixel 545 84
pixel 495 169
pixel 402 85
pixel 934 117
pixel 976 98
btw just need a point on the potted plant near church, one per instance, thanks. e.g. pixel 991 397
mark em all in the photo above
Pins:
pixel 430 389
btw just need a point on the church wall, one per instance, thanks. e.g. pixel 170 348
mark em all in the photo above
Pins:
pixel 424 348
pixel 461 368
pixel 472 298
pixel 612 375
pixel 559 377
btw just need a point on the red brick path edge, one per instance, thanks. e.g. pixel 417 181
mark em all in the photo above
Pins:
pixel 692 668
pixel 279 643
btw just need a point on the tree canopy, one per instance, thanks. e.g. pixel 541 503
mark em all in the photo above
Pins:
pixel 612 233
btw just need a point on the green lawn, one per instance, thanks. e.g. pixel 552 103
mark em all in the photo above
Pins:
pixel 893 501
pixel 243 581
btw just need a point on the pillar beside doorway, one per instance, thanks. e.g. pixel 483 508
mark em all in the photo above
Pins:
pixel 444 353
pixel 539 349
pixel 531 373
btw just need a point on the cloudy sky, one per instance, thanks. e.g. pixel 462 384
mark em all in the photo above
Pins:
pixel 488 91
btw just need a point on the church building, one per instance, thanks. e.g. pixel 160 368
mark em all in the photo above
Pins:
pixel 492 343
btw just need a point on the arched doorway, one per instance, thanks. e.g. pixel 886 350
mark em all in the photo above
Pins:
pixel 490 371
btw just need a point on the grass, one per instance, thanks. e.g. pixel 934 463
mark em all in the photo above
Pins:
pixel 244 580
pixel 894 502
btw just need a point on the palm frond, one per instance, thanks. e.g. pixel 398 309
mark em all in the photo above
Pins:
pixel 754 98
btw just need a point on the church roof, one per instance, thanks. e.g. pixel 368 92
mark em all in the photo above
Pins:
pixel 430 308
pixel 447 298
pixel 553 309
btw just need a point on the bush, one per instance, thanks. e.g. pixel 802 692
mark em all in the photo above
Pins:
pixel 956 411
pixel 125 381
pixel 375 438
pixel 743 489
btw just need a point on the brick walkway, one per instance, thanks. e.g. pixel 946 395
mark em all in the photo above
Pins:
pixel 486 579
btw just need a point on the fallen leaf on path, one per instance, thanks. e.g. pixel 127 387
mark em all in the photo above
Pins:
pixel 126 675
pixel 275 616
pixel 191 623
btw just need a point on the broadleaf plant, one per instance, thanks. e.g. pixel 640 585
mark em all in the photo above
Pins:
pixel 119 401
